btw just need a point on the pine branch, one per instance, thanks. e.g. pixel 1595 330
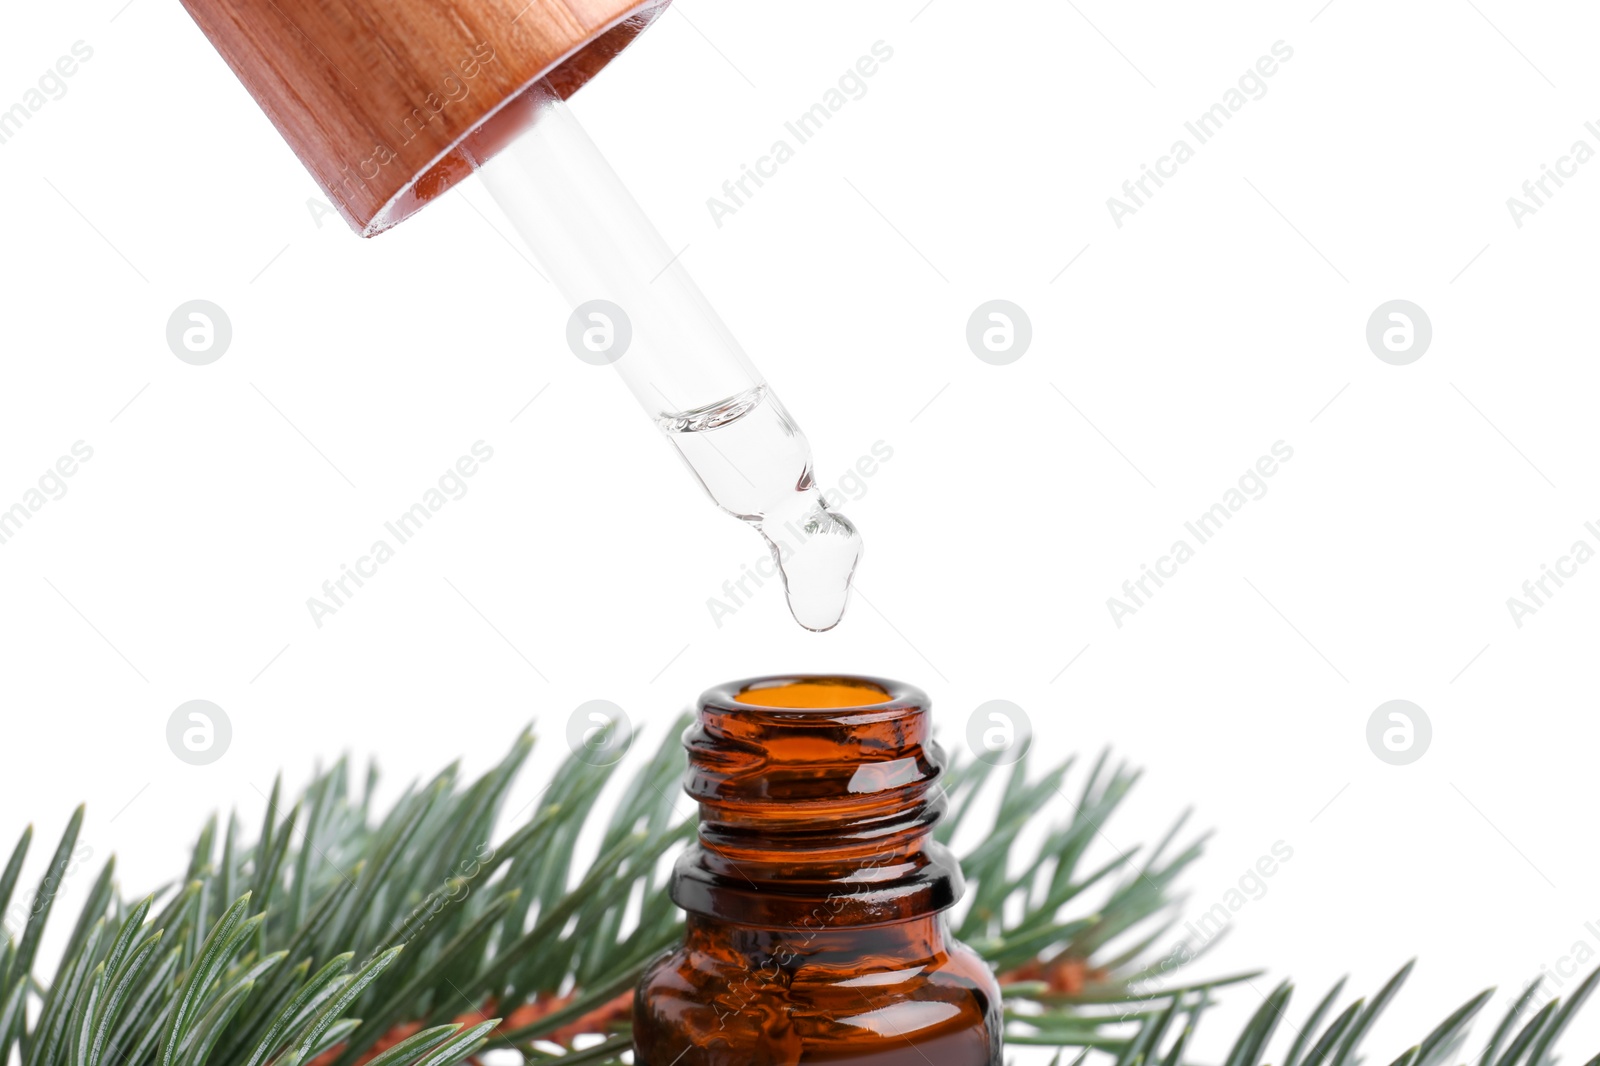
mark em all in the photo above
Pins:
pixel 340 936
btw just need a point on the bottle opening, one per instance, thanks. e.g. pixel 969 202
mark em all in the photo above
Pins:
pixel 814 693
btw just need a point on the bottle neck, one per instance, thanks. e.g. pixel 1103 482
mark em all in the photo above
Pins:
pixel 816 818
pixel 819 942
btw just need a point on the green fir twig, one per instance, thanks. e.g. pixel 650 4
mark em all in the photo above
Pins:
pixel 340 932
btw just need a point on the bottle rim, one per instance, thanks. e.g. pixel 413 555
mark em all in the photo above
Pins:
pixel 822 698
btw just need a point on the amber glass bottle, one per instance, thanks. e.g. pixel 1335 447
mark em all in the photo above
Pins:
pixel 816 893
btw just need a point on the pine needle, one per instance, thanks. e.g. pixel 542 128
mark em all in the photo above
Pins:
pixel 342 935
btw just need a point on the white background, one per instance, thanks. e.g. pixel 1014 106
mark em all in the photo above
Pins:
pixel 1226 315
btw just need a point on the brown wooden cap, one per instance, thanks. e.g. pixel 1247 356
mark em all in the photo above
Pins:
pixel 376 96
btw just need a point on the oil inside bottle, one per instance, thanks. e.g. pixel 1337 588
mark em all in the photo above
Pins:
pixel 756 464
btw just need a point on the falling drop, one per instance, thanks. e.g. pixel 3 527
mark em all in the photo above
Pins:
pixel 756 464
pixel 817 571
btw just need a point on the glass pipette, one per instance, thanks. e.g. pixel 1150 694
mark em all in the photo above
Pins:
pixel 638 308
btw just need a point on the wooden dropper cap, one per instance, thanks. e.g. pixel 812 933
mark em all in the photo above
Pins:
pixel 376 96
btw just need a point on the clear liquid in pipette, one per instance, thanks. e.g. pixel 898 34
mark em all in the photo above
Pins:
pixel 756 464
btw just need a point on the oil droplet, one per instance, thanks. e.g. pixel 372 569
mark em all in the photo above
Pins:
pixel 816 560
pixel 756 464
